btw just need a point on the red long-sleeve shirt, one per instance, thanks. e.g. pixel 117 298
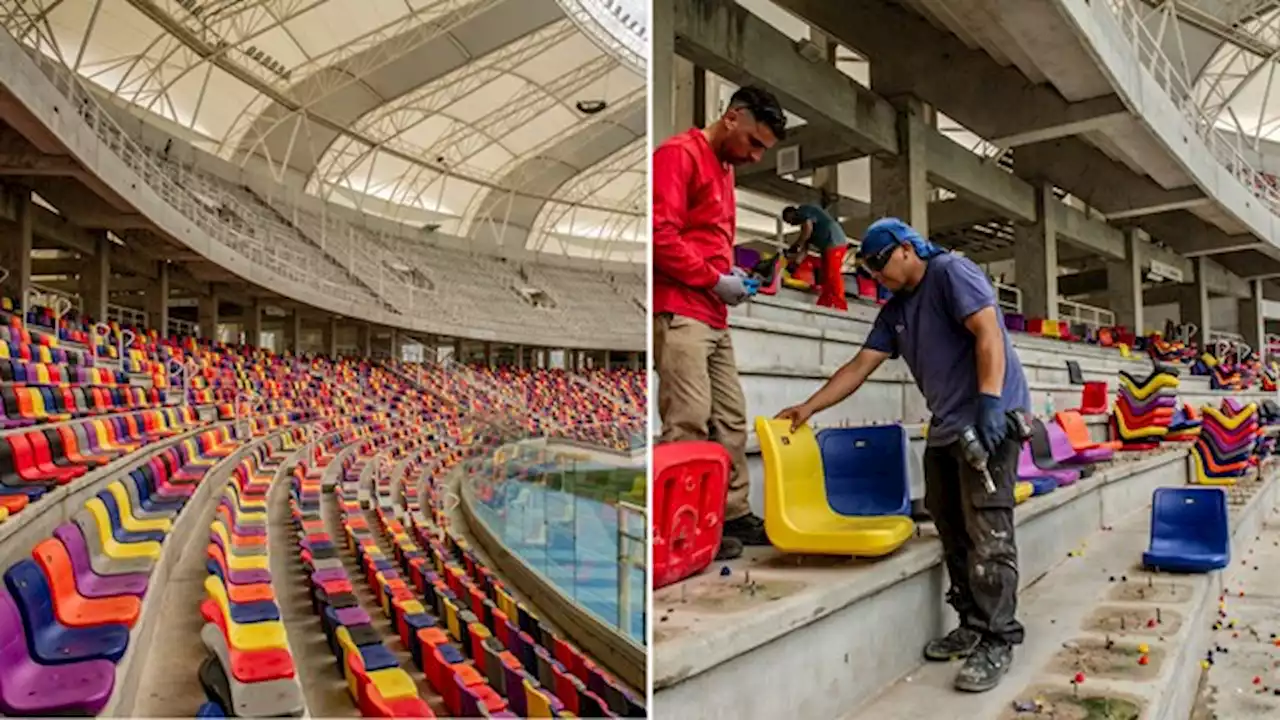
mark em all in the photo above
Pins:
pixel 694 220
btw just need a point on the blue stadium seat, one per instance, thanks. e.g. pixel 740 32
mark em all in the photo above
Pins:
pixel 866 470
pixel 1189 530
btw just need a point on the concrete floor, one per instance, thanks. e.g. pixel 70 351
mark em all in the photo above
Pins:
pixel 1247 647
pixel 1061 613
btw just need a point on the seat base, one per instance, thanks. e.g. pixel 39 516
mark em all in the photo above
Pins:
pixel 1192 563
pixel 860 536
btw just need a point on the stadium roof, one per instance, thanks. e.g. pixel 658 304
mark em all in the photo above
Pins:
pixel 502 120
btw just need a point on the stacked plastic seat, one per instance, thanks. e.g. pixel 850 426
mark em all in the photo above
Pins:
pixel 1144 408
pixel 1185 424
pixel 249 671
pixel 1224 450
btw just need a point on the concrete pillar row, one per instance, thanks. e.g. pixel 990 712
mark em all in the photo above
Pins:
pixel 96 282
pixel 1193 302
pixel 662 20
pixel 395 344
pixel 364 339
pixel 293 332
pixel 520 357
pixel 1251 319
pixel 900 183
pixel 207 313
pixel 329 337
pixel 15 249
pixel 157 301
pixel 1035 259
pixel 1124 283
pixel 253 324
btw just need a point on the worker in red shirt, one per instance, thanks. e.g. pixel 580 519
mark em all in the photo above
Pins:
pixel 694 283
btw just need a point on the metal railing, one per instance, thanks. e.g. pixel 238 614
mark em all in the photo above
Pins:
pixel 1225 146
pixel 1071 310
pixel 310 247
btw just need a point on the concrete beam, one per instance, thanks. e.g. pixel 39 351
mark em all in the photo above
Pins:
pixel 819 147
pixel 729 40
pixel 981 183
pixel 926 62
pixel 1093 235
pixel 1110 111
pixel 15 164
pixel 919 59
pixel 958 213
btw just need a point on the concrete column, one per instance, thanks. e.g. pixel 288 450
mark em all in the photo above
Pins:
pixel 519 357
pixel 663 61
pixel 1252 322
pixel 98 272
pixel 293 332
pixel 488 354
pixel 1035 259
pixel 457 349
pixel 635 361
pixel 330 337
pixel 1124 283
pixel 364 339
pixel 208 316
pixel 253 324
pixel 1193 302
pixel 15 250
pixel 900 183
pixel 157 301
pixel 395 344
pixel 607 358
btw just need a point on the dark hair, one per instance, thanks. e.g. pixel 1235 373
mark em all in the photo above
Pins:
pixel 786 211
pixel 763 106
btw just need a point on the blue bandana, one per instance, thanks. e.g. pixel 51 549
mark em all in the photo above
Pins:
pixel 892 231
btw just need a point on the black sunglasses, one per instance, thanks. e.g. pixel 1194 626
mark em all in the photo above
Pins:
pixel 876 262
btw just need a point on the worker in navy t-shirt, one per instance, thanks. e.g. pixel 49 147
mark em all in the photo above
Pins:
pixel 943 321
pixel 820 231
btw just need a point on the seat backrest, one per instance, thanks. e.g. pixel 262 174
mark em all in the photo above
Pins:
pixel 14 652
pixel 31 592
pixel 865 470
pixel 795 456
pixel 1181 515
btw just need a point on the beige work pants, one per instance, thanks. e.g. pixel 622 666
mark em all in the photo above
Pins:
pixel 700 396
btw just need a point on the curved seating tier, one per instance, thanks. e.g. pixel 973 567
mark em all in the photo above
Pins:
pixel 70 609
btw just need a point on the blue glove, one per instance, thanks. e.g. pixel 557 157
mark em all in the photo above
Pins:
pixel 752 285
pixel 993 423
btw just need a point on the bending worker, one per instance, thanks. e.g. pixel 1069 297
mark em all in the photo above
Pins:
pixel 694 282
pixel 821 232
pixel 944 322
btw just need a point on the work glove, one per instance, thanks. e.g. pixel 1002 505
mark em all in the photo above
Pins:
pixel 733 288
pixel 993 423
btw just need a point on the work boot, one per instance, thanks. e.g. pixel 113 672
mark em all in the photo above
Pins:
pixel 984 668
pixel 958 643
pixel 749 529
pixel 730 548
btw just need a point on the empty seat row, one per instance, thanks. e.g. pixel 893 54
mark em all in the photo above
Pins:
pixel 23 372
pixel 24 406
pixel 67 613
pixel 378 685
pixel 249 670
pixel 34 352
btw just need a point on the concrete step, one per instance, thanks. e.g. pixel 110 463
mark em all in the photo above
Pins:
pixel 821 637
pixel 1062 614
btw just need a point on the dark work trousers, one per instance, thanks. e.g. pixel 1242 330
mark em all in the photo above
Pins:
pixel 976 529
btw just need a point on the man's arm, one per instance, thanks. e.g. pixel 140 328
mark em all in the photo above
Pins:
pixel 989 349
pixel 673 257
pixel 847 379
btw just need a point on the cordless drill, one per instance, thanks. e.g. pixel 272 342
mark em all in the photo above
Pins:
pixel 976 455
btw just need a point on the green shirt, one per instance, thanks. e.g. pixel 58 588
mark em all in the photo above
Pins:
pixel 827 233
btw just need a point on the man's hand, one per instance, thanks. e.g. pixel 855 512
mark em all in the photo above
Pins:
pixel 797 414
pixel 993 424
pixel 733 289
